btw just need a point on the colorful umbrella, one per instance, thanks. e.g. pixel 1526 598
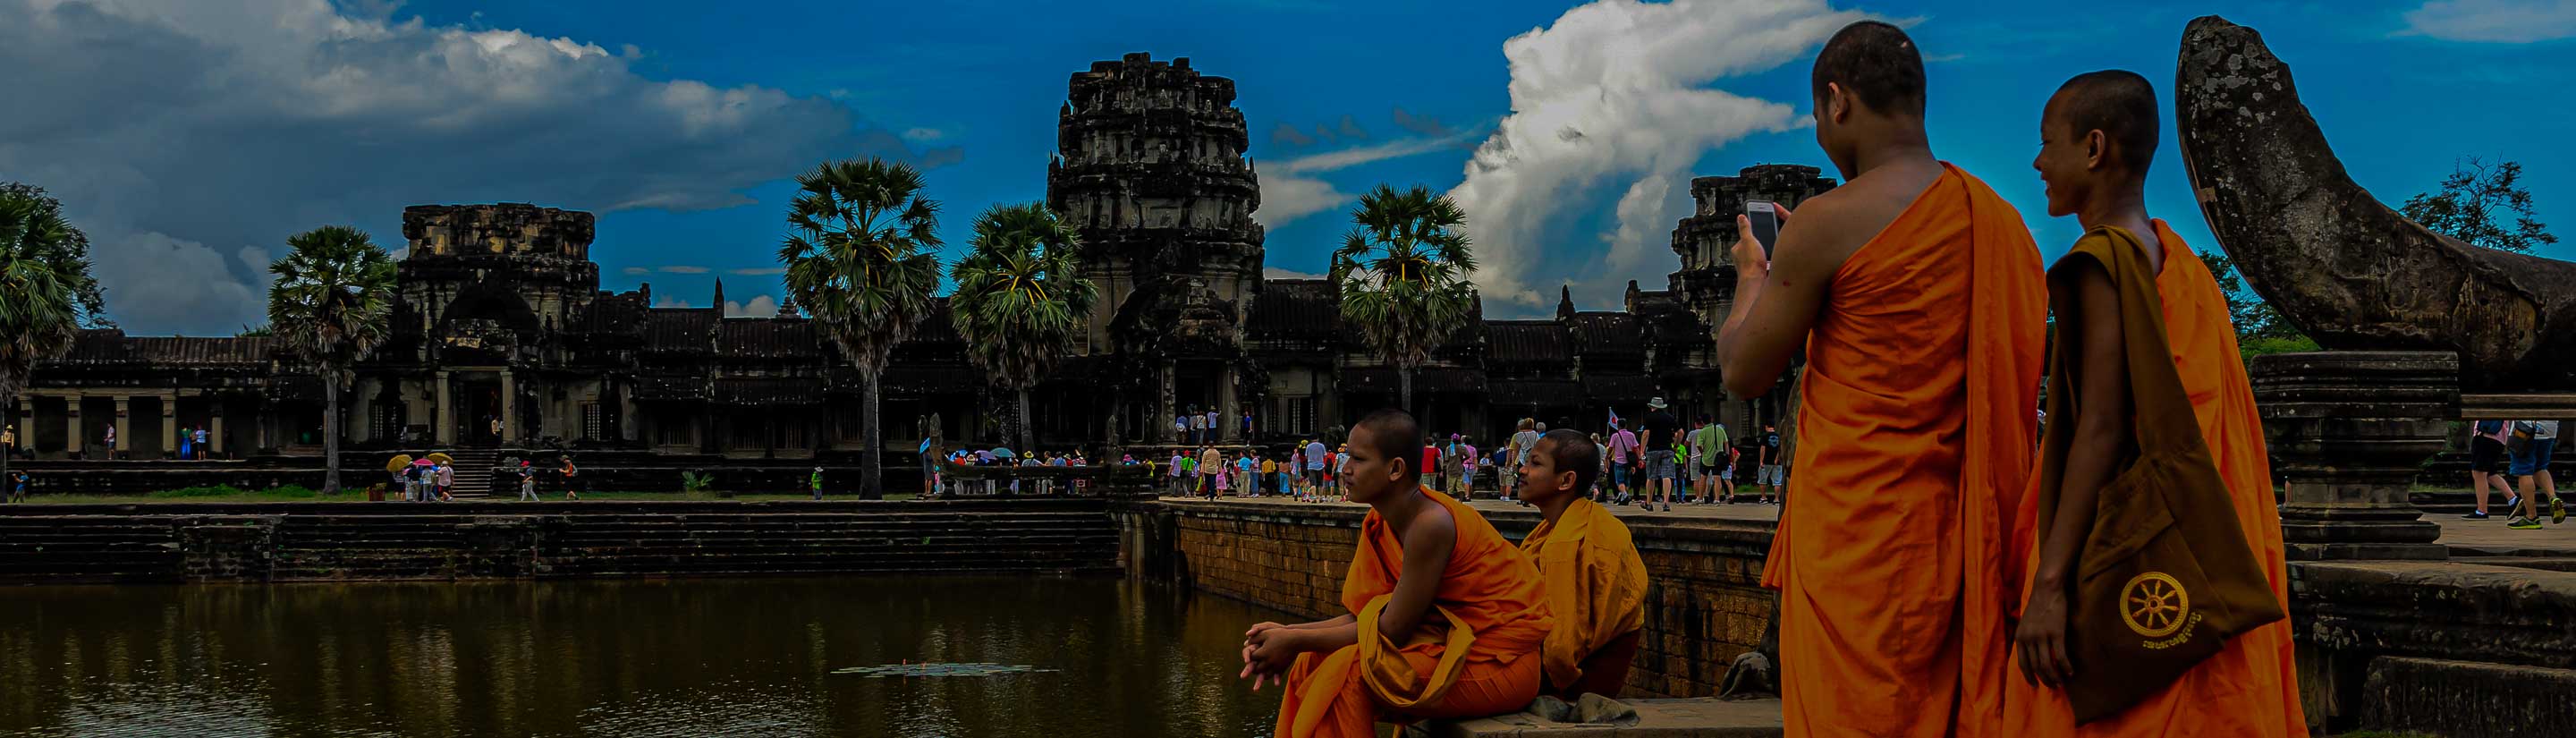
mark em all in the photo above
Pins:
pixel 399 461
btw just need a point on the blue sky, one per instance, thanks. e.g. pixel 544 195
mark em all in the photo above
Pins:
pixel 680 124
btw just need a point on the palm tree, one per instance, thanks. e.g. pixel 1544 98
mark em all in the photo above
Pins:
pixel 45 292
pixel 1020 298
pixel 861 264
pixel 1403 276
pixel 331 303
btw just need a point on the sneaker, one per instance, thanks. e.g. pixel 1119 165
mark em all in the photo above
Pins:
pixel 2522 523
pixel 2557 511
pixel 2476 515
pixel 1668 507
pixel 2513 502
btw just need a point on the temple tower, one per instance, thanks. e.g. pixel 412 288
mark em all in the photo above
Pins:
pixel 1706 281
pixel 1150 167
pixel 484 291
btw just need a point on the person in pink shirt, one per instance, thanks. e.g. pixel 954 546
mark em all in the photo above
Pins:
pixel 1623 445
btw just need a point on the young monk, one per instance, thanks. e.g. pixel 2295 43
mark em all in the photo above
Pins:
pixel 1916 296
pixel 2098 135
pixel 1446 615
pixel 1596 584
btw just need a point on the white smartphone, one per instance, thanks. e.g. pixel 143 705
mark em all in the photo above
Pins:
pixel 1766 223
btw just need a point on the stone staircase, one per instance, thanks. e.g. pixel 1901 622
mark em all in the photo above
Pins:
pixel 474 472
pixel 87 549
pixel 360 547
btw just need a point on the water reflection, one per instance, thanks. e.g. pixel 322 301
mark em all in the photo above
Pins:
pixel 625 658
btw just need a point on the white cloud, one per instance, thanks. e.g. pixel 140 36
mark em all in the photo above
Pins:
pixel 1287 197
pixel 159 280
pixel 1289 193
pixel 2494 21
pixel 632 271
pixel 1271 272
pixel 677 269
pixel 667 301
pixel 1619 93
pixel 923 135
pixel 224 124
pixel 763 306
pixel 763 271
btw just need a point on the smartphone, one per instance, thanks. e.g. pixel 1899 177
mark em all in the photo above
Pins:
pixel 1766 223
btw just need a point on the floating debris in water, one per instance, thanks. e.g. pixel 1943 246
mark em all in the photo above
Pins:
pixel 937 670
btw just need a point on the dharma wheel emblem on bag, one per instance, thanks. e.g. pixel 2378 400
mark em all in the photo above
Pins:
pixel 2154 604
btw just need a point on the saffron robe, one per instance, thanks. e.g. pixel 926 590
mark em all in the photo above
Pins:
pixel 1917 424
pixel 1475 653
pixel 1596 588
pixel 2249 688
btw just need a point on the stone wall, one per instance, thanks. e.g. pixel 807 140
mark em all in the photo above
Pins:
pixel 342 541
pixel 1705 606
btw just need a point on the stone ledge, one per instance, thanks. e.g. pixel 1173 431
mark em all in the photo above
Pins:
pixel 1706 717
pixel 2462 698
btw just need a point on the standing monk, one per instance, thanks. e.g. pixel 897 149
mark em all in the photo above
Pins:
pixel 1446 615
pixel 1918 300
pixel 2098 135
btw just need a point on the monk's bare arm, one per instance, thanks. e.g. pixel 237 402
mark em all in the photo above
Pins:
pixel 1427 547
pixel 2085 299
pixel 1776 301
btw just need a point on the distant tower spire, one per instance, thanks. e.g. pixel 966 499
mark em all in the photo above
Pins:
pixel 719 304
pixel 1564 302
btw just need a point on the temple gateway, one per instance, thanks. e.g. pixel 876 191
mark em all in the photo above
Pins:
pixel 503 338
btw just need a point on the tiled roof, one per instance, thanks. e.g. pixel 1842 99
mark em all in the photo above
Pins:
pixel 1426 379
pixel 768 338
pixel 679 329
pixel 1510 393
pixel 1295 308
pixel 1621 389
pixel 613 314
pixel 1528 342
pixel 112 347
pixel 1608 333
pixel 765 391
pixel 671 388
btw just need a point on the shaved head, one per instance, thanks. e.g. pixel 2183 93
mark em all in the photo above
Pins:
pixel 1568 450
pixel 1394 435
pixel 2117 102
pixel 1878 64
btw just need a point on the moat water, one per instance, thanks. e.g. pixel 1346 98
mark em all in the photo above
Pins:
pixel 1070 658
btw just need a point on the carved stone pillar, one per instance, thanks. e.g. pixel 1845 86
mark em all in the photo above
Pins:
pixel 124 435
pixel 26 423
pixel 1228 406
pixel 444 422
pixel 73 439
pixel 170 424
pixel 1163 413
pixel 2350 430
pixel 509 401
pixel 215 427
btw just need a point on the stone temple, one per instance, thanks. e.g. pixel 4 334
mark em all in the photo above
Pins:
pixel 501 317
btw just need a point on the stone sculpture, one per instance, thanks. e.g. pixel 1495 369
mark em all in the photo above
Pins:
pixel 2346 269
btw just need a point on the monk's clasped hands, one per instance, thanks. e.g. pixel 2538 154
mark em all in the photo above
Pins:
pixel 1268 652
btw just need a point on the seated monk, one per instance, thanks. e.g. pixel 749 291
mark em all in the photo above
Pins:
pixel 1596 584
pixel 2098 136
pixel 1445 617
pixel 1916 297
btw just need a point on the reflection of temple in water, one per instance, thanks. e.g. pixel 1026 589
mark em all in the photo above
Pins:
pixel 500 318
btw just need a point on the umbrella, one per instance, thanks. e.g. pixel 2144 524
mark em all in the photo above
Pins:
pixel 440 457
pixel 1004 453
pixel 399 461
pixel 423 462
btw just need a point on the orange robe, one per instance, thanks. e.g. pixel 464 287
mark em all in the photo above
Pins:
pixel 1474 655
pixel 1596 587
pixel 2249 688
pixel 1916 430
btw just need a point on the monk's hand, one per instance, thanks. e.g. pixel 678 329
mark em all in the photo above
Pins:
pixel 1257 628
pixel 1752 258
pixel 2041 639
pixel 1269 652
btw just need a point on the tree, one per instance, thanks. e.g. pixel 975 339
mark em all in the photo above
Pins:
pixel 1403 274
pixel 45 293
pixel 332 303
pixel 2473 200
pixel 1021 299
pixel 860 262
